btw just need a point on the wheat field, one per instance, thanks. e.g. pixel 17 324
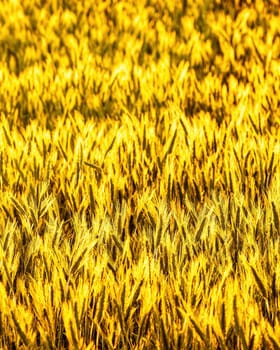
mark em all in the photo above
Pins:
pixel 139 174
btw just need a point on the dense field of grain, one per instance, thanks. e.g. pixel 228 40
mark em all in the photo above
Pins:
pixel 139 174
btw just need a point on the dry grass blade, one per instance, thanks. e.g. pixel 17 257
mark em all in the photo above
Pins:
pixel 101 305
pixel 185 131
pixel 133 301
pixel 253 124
pixel 262 60
pixel 62 151
pixel 143 328
pixel 200 333
pixel 275 217
pixel 6 134
pixel 259 282
pixel 109 148
pixel 274 289
pixel 74 338
pixel 18 206
pixel 170 147
pixel 22 335
pixel 200 230
pixel 251 342
pixel 78 263
pixel 164 336
pixel 92 201
pixel 222 217
pixel 238 327
pixel 111 268
pixel 93 166
pixel 123 328
pixel 159 233
pixel 237 220
pixel 275 343
pixel 118 243
pixel 10 282
pixel 237 160
pixel 223 318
